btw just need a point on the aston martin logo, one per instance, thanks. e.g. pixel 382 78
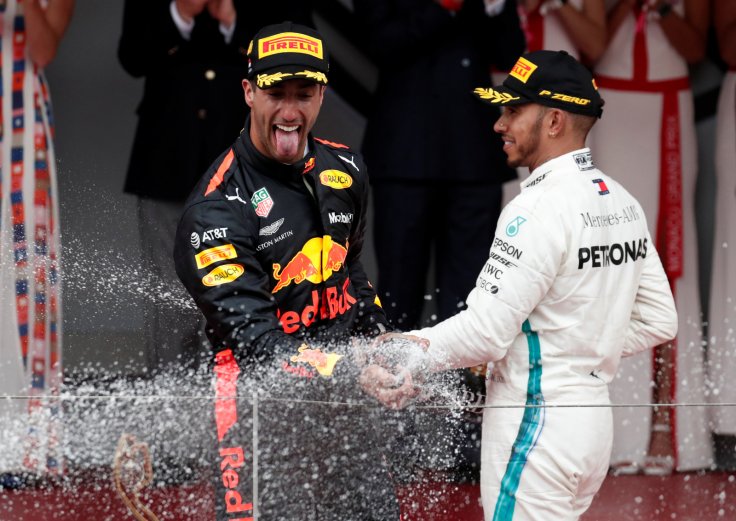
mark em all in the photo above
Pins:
pixel 494 96
pixel 271 228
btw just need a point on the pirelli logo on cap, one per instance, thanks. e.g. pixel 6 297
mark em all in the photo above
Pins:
pixel 522 70
pixel 218 253
pixel 290 42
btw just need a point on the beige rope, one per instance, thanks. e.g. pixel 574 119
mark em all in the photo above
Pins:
pixel 132 472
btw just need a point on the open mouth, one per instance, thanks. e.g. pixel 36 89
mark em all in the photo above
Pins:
pixel 287 139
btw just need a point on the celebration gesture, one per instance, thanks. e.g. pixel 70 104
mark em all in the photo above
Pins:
pixel 394 364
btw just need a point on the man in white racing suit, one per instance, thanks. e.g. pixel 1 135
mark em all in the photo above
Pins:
pixel 572 284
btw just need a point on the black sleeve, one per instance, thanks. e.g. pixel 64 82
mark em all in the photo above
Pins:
pixel 150 41
pixel 371 319
pixel 149 36
pixel 232 293
pixel 392 36
pixel 501 35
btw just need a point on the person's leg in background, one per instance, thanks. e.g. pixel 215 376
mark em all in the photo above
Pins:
pixel 464 240
pixel 172 323
pixel 403 229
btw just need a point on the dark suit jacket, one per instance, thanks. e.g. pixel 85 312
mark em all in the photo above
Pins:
pixel 425 123
pixel 193 105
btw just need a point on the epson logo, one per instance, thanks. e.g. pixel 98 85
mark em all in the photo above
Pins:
pixel 345 218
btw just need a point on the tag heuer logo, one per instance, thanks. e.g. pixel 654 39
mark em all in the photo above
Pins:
pixel 262 202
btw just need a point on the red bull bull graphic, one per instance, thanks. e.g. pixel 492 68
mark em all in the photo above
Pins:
pixel 318 259
pixel 324 363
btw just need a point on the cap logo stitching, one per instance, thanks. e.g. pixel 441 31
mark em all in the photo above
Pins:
pixel 290 42
pixel 319 77
pixel 564 97
pixel 266 80
pixel 522 70
pixel 494 96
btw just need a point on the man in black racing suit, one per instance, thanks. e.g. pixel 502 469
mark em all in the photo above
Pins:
pixel 269 247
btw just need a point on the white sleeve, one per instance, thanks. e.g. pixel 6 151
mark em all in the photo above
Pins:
pixel 185 28
pixel 653 317
pixel 524 260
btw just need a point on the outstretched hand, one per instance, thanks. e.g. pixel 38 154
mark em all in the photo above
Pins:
pixel 394 364
pixel 394 391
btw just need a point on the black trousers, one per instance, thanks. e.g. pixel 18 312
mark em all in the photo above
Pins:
pixel 285 452
pixel 458 219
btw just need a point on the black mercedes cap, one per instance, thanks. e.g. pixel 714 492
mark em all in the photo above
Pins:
pixel 550 78
pixel 287 51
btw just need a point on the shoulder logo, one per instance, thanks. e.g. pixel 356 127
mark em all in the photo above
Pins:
pixel 271 228
pixel 235 197
pixel 523 69
pixel 194 239
pixel 223 274
pixel 262 202
pixel 602 187
pixel 584 161
pixel 216 254
pixel 336 179
pixel 350 161
pixel 512 228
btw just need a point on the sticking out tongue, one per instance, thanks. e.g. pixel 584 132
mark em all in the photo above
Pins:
pixel 287 142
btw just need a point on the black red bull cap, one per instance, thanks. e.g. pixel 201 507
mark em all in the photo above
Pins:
pixel 287 51
pixel 551 78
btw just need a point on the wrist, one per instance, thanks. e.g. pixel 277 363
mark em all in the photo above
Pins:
pixel 550 6
pixel 664 9
pixel 185 15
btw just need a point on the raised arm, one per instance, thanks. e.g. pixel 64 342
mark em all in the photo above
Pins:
pixel 586 28
pixel 686 34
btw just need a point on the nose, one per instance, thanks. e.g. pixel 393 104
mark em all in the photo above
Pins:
pixel 500 125
pixel 289 108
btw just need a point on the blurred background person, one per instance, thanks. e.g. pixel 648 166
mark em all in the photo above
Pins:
pixel 648 144
pixel 30 299
pixel 436 165
pixel 722 349
pixel 192 54
pixel 575 26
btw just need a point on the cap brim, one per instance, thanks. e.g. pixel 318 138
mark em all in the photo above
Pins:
pixel 271 77
pixel 500 95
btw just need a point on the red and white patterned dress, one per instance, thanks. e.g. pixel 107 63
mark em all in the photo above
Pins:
pixel 30 325
pixel 646 140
